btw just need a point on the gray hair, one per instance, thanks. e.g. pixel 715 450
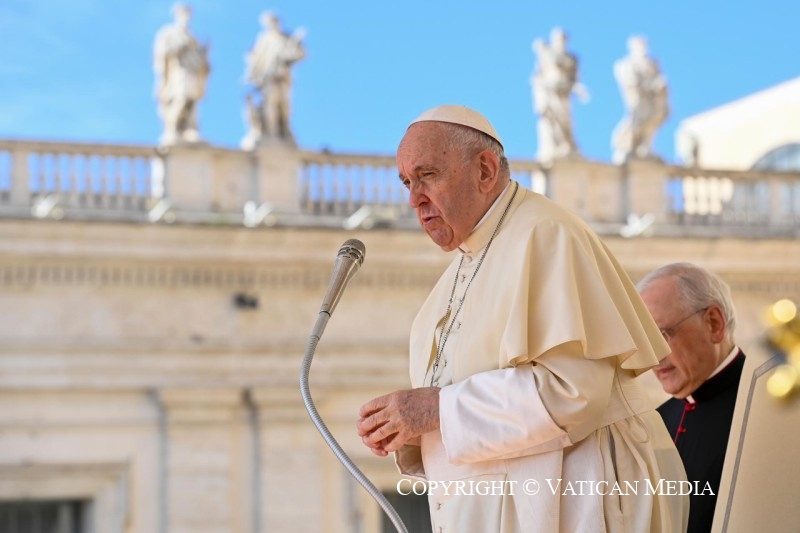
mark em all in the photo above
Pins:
pixel 698 288
pixel 473 141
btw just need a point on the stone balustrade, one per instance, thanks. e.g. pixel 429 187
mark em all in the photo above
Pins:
pixel 51 178
pixel 736 202
pixel 276 185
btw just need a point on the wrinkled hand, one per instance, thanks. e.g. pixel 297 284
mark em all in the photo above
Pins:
pixel 388 422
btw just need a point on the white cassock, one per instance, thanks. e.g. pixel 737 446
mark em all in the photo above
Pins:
pixel 537 377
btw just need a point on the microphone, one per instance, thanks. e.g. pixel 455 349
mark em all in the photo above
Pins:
pixel 348 261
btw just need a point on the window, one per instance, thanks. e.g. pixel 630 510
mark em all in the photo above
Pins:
pixel 783 158
pixel 42 517
pixel 413 510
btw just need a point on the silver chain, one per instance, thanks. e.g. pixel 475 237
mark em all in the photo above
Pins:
pixel 446 333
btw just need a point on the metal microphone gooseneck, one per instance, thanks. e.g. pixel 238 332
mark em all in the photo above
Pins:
pixel 348 260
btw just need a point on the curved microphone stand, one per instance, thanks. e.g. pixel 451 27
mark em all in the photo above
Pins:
pixel 350 257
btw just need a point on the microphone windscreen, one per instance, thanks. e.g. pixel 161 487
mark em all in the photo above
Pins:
pixel 354 249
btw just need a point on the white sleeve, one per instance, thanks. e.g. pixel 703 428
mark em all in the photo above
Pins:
pixel 532 408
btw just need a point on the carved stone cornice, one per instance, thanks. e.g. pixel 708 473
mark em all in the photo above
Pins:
pixel 28 272
pixel 63 480
pixel 186 381
pixel 40 272
pixel 201 404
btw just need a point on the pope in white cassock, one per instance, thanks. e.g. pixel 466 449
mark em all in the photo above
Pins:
pixel 523 358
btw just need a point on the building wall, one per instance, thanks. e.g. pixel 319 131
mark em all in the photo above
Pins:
pixel 737 134
pixel 129 377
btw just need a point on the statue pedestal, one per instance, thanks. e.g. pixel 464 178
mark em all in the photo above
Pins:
pixel 645 180
pixel 200 180
pixel 278 166
pixel 589 189
pixel 189 176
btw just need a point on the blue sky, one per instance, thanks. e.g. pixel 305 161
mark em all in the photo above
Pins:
pixel 81 69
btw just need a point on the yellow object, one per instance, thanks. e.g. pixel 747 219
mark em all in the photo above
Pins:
pixel 784 336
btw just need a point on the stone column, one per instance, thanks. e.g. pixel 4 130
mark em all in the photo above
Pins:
pixel 292 475
pixel 206 435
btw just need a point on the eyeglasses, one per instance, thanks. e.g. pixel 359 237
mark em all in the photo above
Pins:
pixel 669 332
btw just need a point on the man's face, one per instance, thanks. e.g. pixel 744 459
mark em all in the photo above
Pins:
pixel 694 355
pixel 443 184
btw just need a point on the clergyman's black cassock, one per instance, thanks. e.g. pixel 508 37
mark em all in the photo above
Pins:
pixel 700 431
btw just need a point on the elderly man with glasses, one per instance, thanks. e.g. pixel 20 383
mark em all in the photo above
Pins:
pixel 694 312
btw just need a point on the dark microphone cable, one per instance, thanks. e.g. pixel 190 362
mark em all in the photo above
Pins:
pixel 348 260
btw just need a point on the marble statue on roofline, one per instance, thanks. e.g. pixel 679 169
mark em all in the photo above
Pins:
pixel 181 69
pixel 644 92
pixel 553 82
pixel 269 71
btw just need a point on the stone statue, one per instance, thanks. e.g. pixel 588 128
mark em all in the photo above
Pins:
pixel 553 82
pixel 268 69
pixel 181 68
pixel 687 146
pixel 644 92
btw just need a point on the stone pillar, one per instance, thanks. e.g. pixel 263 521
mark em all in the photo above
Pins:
pixel 604 194
pixel 646 188
pixel 592 190
pixel 189 177
pixel 206 435
pixel 278 167
pixel 565 183
pixel 20 194
pixel 292 474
